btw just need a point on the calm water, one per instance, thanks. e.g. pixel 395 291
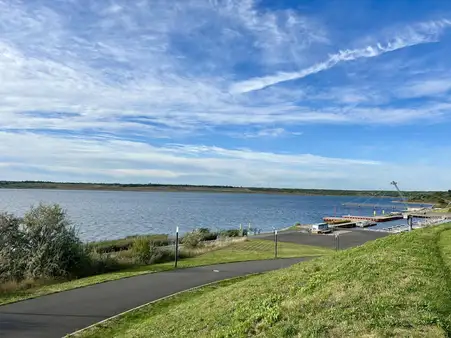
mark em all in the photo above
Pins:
pixel 112 214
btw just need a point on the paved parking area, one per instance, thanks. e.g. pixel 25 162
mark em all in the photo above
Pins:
pixel 348 238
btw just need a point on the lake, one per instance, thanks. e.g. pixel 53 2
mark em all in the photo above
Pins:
pixel 114 214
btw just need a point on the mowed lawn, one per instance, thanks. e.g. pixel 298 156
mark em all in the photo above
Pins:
pixel 397 286
pixel 254 249
pixel 238 251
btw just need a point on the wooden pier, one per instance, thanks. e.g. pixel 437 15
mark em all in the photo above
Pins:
pixel 377 219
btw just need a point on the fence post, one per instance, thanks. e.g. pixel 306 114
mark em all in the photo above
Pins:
pixel 337 242
pixel 275 243
pixel 176 246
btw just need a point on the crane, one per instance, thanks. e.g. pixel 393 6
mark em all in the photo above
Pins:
pixel 408 216
pixel 400 194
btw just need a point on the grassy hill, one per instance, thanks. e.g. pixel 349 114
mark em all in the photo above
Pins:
pixel 395 286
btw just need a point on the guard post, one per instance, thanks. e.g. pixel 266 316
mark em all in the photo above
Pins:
pixel 337 241
pixel 176 246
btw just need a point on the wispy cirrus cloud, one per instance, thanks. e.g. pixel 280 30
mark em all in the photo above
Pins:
pixel 414 35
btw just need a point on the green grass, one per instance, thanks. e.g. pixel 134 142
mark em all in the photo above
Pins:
pixel 241 251
pixel 253 249
pixel 442 210
pixel 397 286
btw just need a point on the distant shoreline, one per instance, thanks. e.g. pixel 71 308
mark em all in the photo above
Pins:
pixel 189 188
pixel 413 196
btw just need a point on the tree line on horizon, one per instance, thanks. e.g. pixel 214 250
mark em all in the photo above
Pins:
pixel 432 196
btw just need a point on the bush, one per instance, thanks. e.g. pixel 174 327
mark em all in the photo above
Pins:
pixel 207 234
pixel 233 232
pixel 162 255
pixel 12 248
pixel 99 263
pixel 142 250
pixel 193 239
pixel 42 245
pixel 52 246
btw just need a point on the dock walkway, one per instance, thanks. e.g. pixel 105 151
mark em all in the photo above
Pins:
pixel 377 219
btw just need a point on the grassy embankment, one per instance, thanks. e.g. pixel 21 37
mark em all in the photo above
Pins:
pixel 231 250
pixel 395 286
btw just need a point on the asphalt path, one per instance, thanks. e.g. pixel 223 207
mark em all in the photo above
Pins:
pixel 59 314
pixel 348 238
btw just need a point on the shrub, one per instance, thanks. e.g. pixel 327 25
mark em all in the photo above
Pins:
pixel 100 263
pixel 12 246
pixel 207 234
pixel 52 248
pixel 163 255
pixel 42 245
pixel 233 232
pixel 193 239
pixel 142 250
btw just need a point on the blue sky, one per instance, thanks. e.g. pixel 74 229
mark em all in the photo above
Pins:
pixel 314 94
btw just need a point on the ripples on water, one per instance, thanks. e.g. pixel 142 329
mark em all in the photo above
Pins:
pixel 115 214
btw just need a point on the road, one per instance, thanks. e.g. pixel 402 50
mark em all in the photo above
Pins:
pixel 62 313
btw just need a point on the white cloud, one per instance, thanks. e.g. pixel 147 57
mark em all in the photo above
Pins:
pixel 422 33
pixel 75 159
pixel 124 160
pixel 265 133
pixel 427 87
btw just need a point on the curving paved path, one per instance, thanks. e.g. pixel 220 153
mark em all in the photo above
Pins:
pixel 62 313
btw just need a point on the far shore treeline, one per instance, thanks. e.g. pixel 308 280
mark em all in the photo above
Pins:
pixel 440 197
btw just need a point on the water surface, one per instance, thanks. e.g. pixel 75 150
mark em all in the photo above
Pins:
pixel 115 214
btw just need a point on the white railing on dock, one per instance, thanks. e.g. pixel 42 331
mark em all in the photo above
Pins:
pixel 418 225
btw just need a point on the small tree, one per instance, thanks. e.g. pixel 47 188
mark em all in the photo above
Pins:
pixel 52 247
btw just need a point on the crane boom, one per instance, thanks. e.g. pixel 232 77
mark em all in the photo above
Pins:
pixel 400 194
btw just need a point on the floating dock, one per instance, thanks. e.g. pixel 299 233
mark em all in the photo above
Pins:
pixel 377 219
pixel 343 225
pixel 372 205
